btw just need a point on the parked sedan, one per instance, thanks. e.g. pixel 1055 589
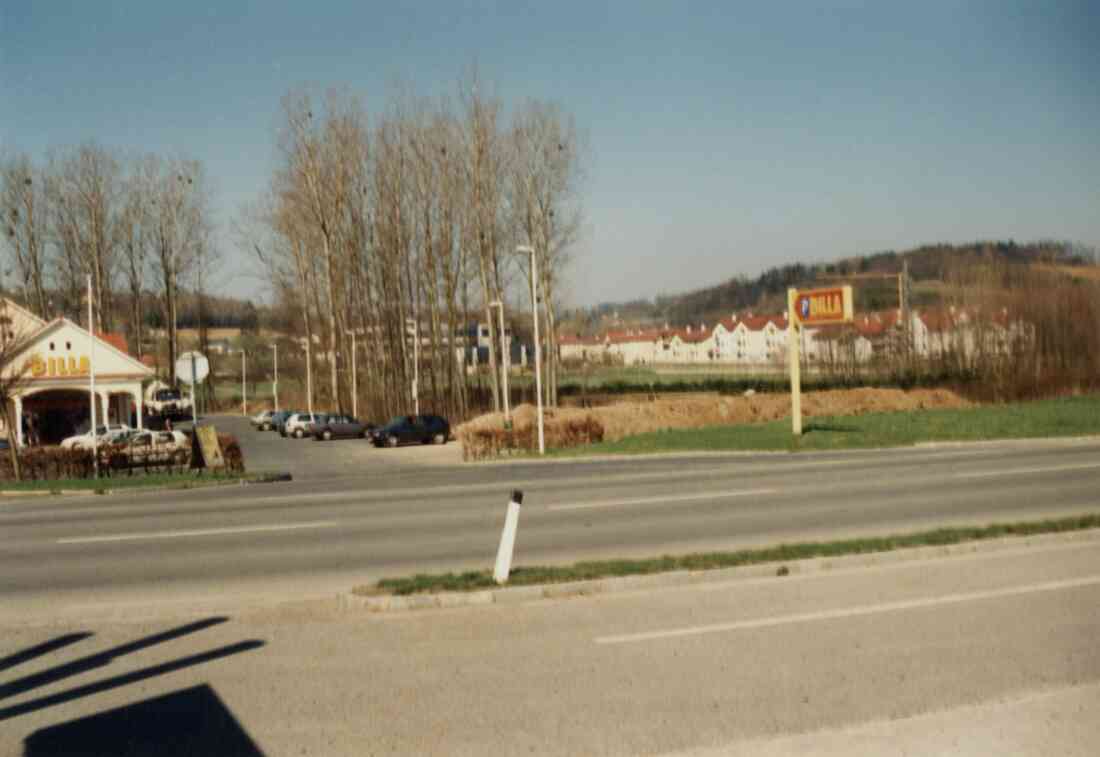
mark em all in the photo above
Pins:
pixel 262 420
pixel 111 434
pixel 297 425
pixel 412 429
pixel 279 421
pixel 157 447
pixel 341 427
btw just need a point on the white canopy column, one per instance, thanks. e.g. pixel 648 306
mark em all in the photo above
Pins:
pixel 138 404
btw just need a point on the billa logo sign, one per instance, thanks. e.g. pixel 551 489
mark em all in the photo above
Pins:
pixel 822 306
pixel 58 367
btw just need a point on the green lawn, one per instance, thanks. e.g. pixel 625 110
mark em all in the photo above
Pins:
pixel 1069 416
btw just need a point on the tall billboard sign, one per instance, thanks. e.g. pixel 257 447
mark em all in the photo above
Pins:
pixel 811 307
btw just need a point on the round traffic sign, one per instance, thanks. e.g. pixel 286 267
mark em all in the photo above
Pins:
pixel 192 367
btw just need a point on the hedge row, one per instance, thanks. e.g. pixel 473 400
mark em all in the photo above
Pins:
pixel 768 384
pixel 53 463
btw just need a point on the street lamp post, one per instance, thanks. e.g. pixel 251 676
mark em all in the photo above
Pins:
pixel 503 361
pixel 244 388
pixel 275 383
pixel 538 351
pixel 309 375
pixel 354 380
pixel 416 364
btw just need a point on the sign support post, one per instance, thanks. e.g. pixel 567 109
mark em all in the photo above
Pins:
pixel 811 307
pixel 794 328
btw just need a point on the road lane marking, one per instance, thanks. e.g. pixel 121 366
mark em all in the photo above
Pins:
pixel 1025 471
pixel 198 532
pixel 850 612
pixel 669 498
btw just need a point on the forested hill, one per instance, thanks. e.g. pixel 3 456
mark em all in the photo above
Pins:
pixel 767 292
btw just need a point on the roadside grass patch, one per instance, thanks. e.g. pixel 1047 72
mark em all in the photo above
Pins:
pixel 185 480
pixel 1064 416
pixel 425 583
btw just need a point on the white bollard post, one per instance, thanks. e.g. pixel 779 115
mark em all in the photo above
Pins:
pixel 508 539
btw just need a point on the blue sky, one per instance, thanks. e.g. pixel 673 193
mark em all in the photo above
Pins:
pixel 723 138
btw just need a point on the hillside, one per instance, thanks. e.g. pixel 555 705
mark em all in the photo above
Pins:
pixel 931 268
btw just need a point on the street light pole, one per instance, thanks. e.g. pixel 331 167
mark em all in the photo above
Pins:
pixel 416 364
pixel 503 361
pixel 244 399
pixel 309 375
pixel 275 383
pixel 538 350
pixel 354 381
pixel 91 371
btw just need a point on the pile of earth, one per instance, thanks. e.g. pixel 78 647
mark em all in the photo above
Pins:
pixel 629 418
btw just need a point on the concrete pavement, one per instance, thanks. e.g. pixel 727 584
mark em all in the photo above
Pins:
pixel 992 653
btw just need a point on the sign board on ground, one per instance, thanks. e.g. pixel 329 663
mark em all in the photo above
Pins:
pixel 192 368
pixel 208 447
pixel 817 307
pixel 811 307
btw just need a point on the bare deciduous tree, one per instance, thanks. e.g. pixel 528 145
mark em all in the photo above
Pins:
pixel 25 226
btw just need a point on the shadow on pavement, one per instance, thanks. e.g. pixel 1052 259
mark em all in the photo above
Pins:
pixel 191 721
pixel 44 648
pixel 128 678
pixel 91 662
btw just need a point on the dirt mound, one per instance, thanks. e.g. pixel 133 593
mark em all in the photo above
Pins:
pixel 486 436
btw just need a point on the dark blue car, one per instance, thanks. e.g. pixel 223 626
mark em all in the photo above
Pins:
pixel 412 429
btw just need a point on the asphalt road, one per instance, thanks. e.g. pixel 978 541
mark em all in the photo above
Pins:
pixel 381 515
pixel 987 653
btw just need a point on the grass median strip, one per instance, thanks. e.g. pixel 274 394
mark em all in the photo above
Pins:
pixel 425 583
pixel 1064 416
pixel 186 480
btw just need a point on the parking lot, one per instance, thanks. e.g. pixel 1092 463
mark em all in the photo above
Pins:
pixel 308 459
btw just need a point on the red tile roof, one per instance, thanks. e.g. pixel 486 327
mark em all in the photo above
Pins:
pixel 116 340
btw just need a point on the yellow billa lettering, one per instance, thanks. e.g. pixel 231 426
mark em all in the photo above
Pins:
pixel 85 364
pixel 72 365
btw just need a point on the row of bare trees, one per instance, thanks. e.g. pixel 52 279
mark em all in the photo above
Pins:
pixel 139 226
pixel 399 230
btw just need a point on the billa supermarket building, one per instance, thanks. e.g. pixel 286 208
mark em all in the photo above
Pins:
pixel 55 360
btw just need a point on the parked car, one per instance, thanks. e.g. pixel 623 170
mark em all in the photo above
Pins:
pixel 109 434
pixel 297 425
pixel 262 420
pixel 412 428
pixel 157 447
pixel 341 427
pixel 278 418
pixel 279 424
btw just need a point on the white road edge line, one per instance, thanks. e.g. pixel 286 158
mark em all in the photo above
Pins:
pixel 667 498
pixel 1024 471
pixel 850 612
pixel 199 532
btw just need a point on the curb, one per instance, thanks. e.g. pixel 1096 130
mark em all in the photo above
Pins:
pixel 1052 441
pixel 349 601
pixel 263 479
